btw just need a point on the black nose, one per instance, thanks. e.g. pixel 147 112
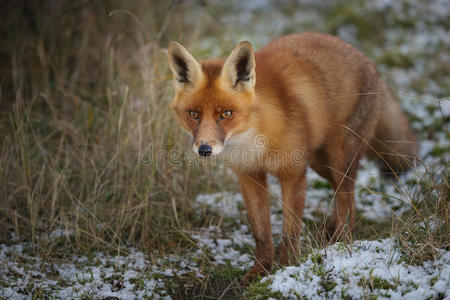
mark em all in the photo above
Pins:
pixel 205 150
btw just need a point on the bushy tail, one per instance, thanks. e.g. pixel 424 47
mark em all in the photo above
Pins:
pixel 395 144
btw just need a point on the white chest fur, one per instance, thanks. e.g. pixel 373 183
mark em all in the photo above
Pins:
pixel 245 150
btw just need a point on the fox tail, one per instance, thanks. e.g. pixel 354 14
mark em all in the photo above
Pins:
pixel 394 146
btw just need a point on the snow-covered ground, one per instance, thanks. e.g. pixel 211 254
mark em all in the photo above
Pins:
pixel 98 276
pixel 355 270
pixel 361 269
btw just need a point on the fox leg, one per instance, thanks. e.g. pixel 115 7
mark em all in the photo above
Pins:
pixel 339 165
pixel 293 189
pixel 338 161
pixel 345 154
pixel 343 181
pixel 256 196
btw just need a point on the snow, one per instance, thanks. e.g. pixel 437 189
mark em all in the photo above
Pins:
pixel 57 233
pixel 365 267
pixel 226 250
pixel 99 277
pixel 355 270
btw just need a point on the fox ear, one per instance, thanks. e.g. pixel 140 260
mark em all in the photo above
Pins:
pixel 239 67
pixel 186 70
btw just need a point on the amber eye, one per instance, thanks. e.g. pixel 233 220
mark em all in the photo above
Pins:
pixel 193 114
pixel 226 114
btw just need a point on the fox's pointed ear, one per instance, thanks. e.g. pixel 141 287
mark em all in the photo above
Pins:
pixel 239 67
pixel 186 70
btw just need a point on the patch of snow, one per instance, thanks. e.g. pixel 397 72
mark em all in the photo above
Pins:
pixel 226 204
pixel 58 233
pixel 226 250
pixel 365 268
pixel 100 276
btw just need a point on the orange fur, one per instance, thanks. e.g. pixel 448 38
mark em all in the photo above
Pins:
pixel 309 94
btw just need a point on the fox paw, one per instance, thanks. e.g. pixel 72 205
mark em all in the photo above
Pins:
pixel 331 233
pixel 257 270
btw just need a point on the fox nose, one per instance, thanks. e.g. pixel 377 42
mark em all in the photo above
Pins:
pixel 204 150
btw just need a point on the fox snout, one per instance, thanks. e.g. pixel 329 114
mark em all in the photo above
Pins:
pixel 208 137
pixel 205 148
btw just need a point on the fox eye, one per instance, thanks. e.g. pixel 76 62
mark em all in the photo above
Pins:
pixel 226 114
pixel 193 114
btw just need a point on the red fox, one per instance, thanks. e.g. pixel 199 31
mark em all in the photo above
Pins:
pixel 310 94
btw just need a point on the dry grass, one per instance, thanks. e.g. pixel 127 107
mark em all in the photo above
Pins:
pixel 85 89
pixel 426 228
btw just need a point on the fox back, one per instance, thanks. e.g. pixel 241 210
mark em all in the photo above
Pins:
pixel 296 92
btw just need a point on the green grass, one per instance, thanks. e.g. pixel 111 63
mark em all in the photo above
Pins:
pixel 260 290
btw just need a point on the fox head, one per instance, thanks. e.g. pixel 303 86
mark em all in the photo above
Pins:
pixel 214 99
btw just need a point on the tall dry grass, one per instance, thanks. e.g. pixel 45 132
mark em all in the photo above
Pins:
pixel 84 92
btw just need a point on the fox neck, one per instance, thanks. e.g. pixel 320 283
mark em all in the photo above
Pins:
pixel 245 150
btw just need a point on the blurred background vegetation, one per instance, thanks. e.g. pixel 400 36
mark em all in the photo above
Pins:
pixel 85 90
